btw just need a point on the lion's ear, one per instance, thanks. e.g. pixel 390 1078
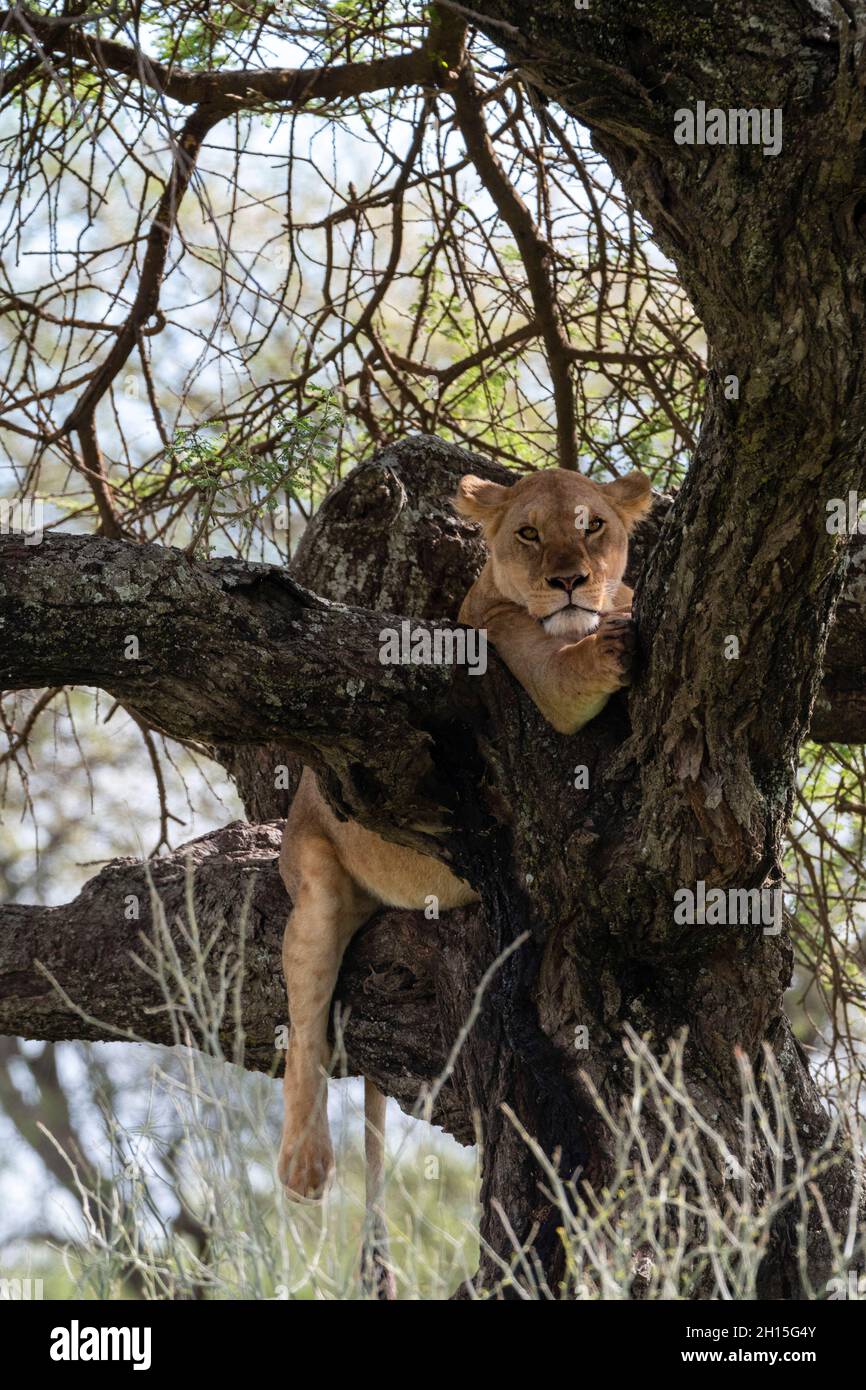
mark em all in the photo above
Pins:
pixel 631 495
pixel 479 499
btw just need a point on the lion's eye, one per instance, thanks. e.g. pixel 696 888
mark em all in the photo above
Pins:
pixel 528 533
pixel 594 525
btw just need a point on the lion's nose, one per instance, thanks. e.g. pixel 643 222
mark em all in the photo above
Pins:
pixel 568 582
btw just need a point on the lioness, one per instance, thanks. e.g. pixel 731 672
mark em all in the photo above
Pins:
pixel 553 603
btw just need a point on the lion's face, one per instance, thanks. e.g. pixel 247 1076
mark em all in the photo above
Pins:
pixel 558 542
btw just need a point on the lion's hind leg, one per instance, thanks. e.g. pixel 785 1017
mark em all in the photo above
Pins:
pixel 328 909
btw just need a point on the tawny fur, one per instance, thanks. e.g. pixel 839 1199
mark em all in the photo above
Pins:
pixel 559 616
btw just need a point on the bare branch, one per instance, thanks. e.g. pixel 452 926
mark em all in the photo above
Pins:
pixel 228 90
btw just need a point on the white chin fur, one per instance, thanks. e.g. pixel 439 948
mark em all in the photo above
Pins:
pixel 570 622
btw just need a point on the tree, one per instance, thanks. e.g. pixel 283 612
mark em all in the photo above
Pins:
pixel 690 780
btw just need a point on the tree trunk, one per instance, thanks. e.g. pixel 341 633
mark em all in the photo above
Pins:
pixel 566 866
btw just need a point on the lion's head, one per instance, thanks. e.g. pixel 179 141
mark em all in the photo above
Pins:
pixel 558 542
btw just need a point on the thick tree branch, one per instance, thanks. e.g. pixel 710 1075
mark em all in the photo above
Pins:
pixel 424 561
pixel 234 653
pixel 114 967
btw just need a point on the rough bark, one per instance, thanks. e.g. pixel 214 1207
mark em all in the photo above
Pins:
pixel 385 539
pixel 839 711
pixel 231 653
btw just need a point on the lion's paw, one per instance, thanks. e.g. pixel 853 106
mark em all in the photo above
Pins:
pixel 616 647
